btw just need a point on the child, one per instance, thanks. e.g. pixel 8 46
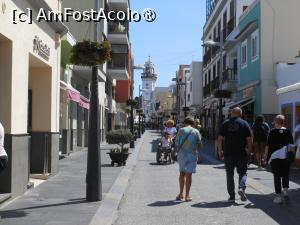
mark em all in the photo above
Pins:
pixel 166 140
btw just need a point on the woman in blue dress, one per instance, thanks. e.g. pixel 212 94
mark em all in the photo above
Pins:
pixel 188 141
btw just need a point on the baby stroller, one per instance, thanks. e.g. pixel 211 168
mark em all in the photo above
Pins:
pixel 165 153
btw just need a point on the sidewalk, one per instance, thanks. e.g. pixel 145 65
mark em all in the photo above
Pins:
pixel 149 200
pixel 61 199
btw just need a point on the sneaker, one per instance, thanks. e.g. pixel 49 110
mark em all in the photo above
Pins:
pixel 285 194
pixel 242 194
pixel 231 199
pixel 278 199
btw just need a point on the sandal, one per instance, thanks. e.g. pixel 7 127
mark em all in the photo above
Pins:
pixel 188 199
pixel 179 198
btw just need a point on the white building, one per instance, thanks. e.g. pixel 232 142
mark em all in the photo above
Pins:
pixel 288 81
pixel 194 93
pixel 149 78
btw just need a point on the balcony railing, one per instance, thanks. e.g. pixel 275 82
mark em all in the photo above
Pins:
pixel 207 57
pixel 229 75
pixel 206 90
pixel 215 84
pixel 230 25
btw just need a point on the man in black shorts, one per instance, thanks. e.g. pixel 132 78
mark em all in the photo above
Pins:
pixel 235 133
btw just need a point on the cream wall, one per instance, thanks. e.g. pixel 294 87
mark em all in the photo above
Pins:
pixel 22 36
pixel 280 41
pixel 40 84
pixel 5 83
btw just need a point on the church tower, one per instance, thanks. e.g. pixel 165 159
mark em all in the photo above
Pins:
pixel 149 78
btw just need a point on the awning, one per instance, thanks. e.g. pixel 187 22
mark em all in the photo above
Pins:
pixel 241 103
pixel 72 95
pixel 84 104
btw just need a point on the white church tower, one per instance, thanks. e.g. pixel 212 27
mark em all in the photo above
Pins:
pixel 149 78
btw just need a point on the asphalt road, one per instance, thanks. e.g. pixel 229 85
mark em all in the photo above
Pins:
pixel 149 199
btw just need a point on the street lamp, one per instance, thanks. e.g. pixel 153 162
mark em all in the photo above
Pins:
pixel 185 108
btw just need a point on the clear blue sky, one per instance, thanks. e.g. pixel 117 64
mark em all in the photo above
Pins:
pixel 173 38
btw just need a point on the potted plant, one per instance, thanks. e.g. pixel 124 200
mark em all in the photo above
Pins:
pixel 119 137
pixel 88 53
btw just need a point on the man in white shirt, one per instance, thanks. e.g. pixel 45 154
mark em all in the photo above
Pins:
pixel 3 154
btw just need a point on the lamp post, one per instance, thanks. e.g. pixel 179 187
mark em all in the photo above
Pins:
pixel 93 175
pixel 185 107
pixel 139 111
pixel 132 103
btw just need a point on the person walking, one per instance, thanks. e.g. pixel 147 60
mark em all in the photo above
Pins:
pixel 236 135
pixel 198 126
pixel 188 141
pixel 276 153
pixel 260 135
pixel 3 154
pixel 297 133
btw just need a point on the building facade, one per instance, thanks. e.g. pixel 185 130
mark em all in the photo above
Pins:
pixel 114 77
pixel 288 91
pixel 194 93
pixel 29 87
pixel 222 18
pixel 257 56
pixel 181 91
pixel 244 29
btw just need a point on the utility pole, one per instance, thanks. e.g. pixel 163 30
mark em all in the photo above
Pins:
pixel 93 176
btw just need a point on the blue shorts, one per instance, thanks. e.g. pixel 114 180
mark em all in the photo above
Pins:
pixel 187 162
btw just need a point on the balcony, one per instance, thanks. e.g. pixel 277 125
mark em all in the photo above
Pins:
pixel 206 91
pixel 230 81
pixel 207 57
pixel 118 5
pixel 230 26
pixel 118 32
pixel 117 68
pixel 215 84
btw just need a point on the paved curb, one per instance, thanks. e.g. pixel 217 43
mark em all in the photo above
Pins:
pixel 107 212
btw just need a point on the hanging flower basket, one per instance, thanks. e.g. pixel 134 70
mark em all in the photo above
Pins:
pixel 87 53
pixel 222 94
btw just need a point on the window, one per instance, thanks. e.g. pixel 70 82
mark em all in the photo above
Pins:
pixel 244 54
pixel 254 46
pixel 191 86
pixel 189 97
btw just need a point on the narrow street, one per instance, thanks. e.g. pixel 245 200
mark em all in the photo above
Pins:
pixel 149 199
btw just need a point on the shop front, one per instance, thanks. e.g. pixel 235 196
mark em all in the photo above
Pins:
pixel 29 96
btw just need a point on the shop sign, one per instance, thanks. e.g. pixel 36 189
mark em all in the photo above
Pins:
pixel 41 48
pixel 248 92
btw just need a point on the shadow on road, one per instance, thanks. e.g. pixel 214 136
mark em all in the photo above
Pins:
pixel 165 203
pixel 286 213
pixel 215 205
pixel 21 212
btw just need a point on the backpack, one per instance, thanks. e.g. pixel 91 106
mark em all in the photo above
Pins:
pixel 260 132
